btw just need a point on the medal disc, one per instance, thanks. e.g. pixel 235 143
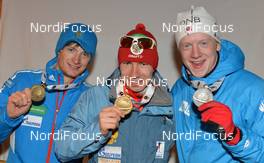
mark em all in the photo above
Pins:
pixel 124 104
pixel 37 93
pixel 201 96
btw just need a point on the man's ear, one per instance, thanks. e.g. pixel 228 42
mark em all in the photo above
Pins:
pixel 218 46
pixel 59 53
pixel 90 59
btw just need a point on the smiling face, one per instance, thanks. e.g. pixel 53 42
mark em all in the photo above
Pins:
pixel 199 53
pixel 138 73
pixel 72 61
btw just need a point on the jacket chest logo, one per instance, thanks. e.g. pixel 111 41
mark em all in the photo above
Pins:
pixel 261 106
pixel 185 108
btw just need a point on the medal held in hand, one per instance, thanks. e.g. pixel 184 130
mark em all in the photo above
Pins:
pixel 201 96
pixel 37 93
pixel 204 95
pixel 124 103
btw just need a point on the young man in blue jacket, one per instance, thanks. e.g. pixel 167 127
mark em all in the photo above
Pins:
pixel 34 125
pixel 216 101
pixel 98 127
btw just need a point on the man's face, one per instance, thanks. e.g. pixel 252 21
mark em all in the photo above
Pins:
pixel 72 61
pixel 199 53
pixel 138 74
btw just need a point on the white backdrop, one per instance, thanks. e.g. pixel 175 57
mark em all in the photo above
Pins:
pixel 23 49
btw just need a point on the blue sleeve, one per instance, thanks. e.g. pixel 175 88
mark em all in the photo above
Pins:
pixel 7 124
pixel 81 129
pixel 251 146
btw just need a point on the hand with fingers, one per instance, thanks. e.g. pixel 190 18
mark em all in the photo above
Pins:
pixel 19 103
pixel 109 119
pixel 221 114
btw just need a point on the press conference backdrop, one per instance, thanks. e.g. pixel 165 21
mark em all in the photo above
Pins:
pixel 24 48
pixel 29 30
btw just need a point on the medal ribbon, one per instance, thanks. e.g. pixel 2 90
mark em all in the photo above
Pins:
pixel 121 90
pixel 201 84
pixel 60 87
pixel 58 106
pixel 137 97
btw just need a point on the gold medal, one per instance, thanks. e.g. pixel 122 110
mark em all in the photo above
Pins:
pixel 37 93
pixel 124 104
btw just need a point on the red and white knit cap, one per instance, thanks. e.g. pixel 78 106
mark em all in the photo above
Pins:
pixel 148 56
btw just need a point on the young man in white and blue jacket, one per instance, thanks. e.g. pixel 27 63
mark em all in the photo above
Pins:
pixel 216 101
pixel 34 125
pixel 105 132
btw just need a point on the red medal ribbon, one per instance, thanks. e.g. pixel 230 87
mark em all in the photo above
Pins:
pixel 58 106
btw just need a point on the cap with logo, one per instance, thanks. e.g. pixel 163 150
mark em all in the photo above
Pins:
pixel 138 45
pixel 79 33
pixel 196 20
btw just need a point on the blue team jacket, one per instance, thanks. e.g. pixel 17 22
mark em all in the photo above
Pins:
pixel 143 137
pixel 30 139
pixel 243 92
